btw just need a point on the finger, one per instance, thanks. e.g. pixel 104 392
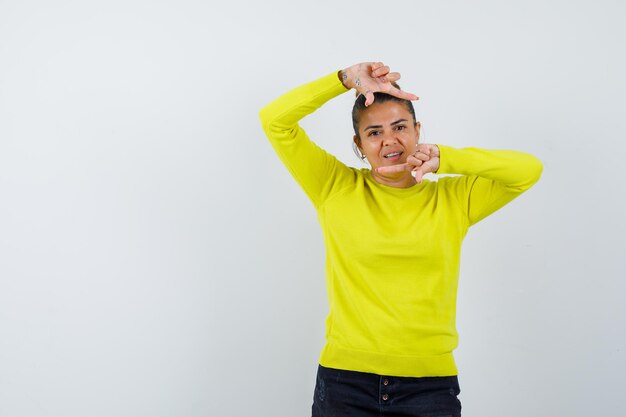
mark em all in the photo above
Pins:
pixel 369 98
pixel 393 76
pixel 395 168
pixel 418 175
pixel 379 72
pixel 375 65
pixel 431 166
pixel 402 94
pixel 434 150
pixel 417 158
pixel 414 162
pixel 424 148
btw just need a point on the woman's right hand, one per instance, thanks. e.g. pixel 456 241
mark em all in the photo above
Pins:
pixel 371 77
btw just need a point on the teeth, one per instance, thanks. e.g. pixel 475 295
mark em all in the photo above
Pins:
pixel 391 155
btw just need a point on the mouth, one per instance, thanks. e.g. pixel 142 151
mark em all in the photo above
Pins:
pixel 393 156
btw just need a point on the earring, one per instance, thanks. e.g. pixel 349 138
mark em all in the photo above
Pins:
pixel 358 152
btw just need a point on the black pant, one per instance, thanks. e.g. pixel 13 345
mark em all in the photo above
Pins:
pixel 340 393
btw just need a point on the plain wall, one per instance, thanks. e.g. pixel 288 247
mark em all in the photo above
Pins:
pixel 156 259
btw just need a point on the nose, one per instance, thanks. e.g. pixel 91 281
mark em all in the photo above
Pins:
pixel 390 139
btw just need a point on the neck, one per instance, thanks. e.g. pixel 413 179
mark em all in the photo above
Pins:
pixel 400 180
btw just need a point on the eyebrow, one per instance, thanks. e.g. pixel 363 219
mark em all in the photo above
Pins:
pixel 380 126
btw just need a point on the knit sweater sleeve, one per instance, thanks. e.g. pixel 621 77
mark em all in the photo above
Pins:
pixel 492 178
pixel 319 173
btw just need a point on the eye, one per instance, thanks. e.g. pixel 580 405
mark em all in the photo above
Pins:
pixel 374 133
pixel 400 127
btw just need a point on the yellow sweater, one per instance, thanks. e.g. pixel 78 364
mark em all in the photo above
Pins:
pixel 392 254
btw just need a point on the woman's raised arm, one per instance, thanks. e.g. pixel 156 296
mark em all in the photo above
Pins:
pixel 319 173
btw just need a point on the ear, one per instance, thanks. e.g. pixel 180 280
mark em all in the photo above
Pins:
pixel 357 141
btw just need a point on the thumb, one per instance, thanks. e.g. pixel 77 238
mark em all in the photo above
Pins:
pixel 369 98
pixel 418 175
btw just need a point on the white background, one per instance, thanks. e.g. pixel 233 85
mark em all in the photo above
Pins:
pixel 156 259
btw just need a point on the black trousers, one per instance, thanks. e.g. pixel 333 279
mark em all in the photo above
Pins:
pixel 340 393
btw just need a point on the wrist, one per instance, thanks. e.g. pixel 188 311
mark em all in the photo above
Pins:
pixel 343 77
pixel 350 76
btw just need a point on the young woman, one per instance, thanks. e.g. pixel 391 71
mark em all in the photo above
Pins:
pixel 393 242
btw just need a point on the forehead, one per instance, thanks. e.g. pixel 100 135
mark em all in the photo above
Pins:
pixel 384 114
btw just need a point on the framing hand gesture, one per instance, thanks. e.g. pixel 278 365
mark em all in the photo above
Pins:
pixel 423 161
pixel 370 77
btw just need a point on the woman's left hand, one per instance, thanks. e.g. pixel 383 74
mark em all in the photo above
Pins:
pixel 424 160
